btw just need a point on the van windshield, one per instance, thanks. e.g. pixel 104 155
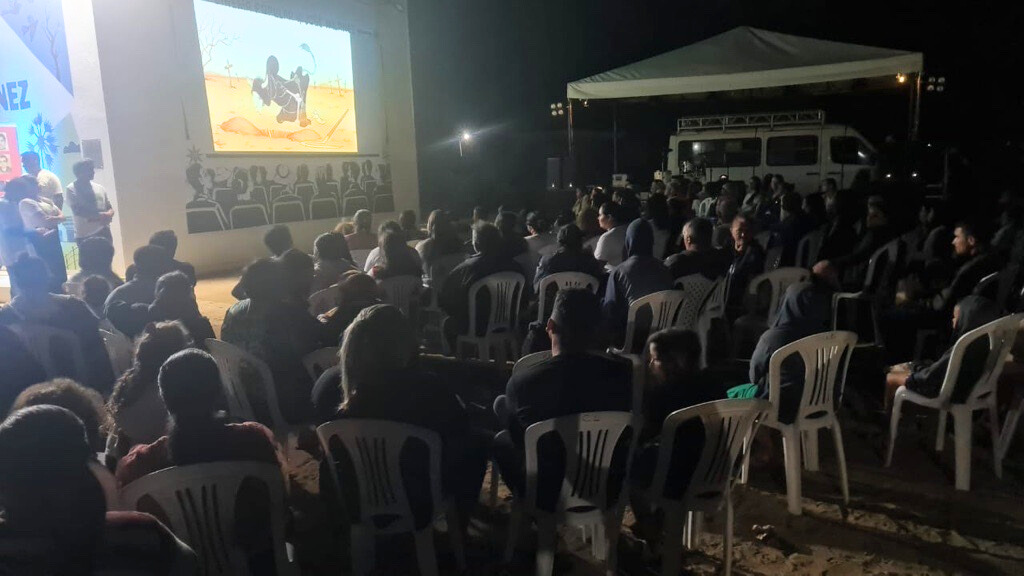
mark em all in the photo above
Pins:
pixel 850 150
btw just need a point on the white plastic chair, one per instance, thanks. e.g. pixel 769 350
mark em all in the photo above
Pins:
pixel 704 208
pixel 696 288
pixel 589 440
pixel 322 301
pixel 564 281
pixel 374 448
pixel 1000 335
pixel 119 350
pixel 664 306
pixel 58 351
pixel 530 360
pixel 402 292
pixel 726 423
pixel 779 280
pixel 198 503
pixel 318 361
pixel 506 291
pixel 890 256
pixel 432 316
pixel 712 309
pixel 826 357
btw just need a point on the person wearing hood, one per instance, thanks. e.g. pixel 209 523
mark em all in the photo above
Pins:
pixel 331 259
pixel 926 378
pixel 639 274
pixel 804 312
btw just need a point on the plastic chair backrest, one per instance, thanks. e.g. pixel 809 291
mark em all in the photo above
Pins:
pixel 808 247
pixel 230 360
pixel 826 357
pixel 664 306
pixel 401 292
pixel 1001 334
pixel 58 351
pixel 564 281
pixel 119 350
pixel 589 440
pixel 199 504
pixel 506 290
pixel 779 280
pixel 324 300
pixel 772 258
pixel 374 447
pixel 530 360
pixel 318 361
pixel 988 286
pixel 726 423
pixel 704 208
pixel 883 267
pixel 696 288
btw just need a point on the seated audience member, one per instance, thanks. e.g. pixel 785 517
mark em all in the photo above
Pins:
pixel 298 270
pixel 376 256
pixel 814 207
pixel 698 257
pixel 976 260
pixel 151 262
pixel 926 378
pixel 610 245
pixel 379 378
pixel 95 290
pixel 572 381
pixel 95 257
pixel 138 413
pixel 878 233
pixel 331 259
pixel 587 222
pixel 490 258
pixel 276 329
pixel 657 216
pixel 20 368
pixel 793 224
pixel 176 300
pixel 356 292
pixel 570 257
pixel 1009 229
pixel 410 229
pixel 168 240
pixel 840 235
pixel 805 310
pixel 541 241
pixel 747 261
pixel 86 404
pixel 396 258
pixel 442 242
pixel 55 518
pixel 278 240
pixel 513 243
pixel 637 276
pixel 190 386
pixel 629 204
pixel 726 209
pixel 363 238
pixel 35 305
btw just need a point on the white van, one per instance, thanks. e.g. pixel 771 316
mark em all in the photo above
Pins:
pixel 798 145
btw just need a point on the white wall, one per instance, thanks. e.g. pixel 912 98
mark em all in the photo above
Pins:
pixel 151 82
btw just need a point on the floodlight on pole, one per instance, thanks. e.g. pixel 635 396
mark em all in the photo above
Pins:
pixel 466 136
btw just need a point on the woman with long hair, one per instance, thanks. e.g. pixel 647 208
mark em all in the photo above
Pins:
pixel 176 301
pixel 331 259
pixel 396 258
pixel 441 241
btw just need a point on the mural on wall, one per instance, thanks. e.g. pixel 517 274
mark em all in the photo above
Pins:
pixel 232 197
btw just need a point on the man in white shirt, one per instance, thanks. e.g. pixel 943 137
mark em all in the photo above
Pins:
pixel 609 246
pixel 90 205
pixel 49 183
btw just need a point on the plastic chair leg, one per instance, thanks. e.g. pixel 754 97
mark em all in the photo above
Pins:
pixel 791 455
pixel 495 479
pixel 547 544
pixel 940 434
pixel 993 425
pixel 727 536
pixel 810 445
pixel 610 542
pixel 672 547
pixel 456 536
pixel 962 437
pixel 425 551
pixel 1009 429
pixel 745 469
pixel 894 426
pixel 598 542
pixel 515 526
pixel 844 481
pixel 363 552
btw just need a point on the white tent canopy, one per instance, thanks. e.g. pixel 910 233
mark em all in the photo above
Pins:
pixel 746 58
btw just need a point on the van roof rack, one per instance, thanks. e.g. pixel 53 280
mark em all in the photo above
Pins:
pixel 769 119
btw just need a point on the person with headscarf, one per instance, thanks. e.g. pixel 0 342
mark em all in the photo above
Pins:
pixel 176 300
pixel 331 259
pixel 926 378
pixel 805 311
pixel 55 519
pixel 639 274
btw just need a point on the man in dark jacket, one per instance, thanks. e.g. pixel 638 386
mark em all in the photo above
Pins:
pixel 971 248
pixel 570 257
pixel 639 274
pixel 793 224
pixel 699 256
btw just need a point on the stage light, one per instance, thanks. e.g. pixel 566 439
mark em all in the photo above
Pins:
pixel 942 79
pixel 901 78
pixel 930 88
pixel 559 105
pixel 466 136
pixel 940 89
pixel 552 106
pixel 913 174
pixel 888 175
pixel 561 112
pixel 554 113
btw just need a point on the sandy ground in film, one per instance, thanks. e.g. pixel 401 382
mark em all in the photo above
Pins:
pixel 231 106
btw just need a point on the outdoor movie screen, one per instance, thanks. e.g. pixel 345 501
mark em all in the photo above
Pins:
pixel 276 85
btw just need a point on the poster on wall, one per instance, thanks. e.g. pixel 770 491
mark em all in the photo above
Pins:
pixel 275 85
pixel 10 160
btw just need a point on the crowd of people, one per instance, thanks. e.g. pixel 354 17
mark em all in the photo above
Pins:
pixel 169 408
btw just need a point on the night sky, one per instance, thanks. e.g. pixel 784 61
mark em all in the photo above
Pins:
pixel 495 67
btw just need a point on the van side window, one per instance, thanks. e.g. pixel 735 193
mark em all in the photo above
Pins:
pixel 850 150
pixel 792 151
pixel 721 153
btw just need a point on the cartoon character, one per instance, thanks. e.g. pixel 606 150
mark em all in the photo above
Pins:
pixel 289 94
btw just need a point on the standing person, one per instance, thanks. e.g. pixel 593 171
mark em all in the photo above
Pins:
pixel 49 183
pixel 12 232
pixel 40 218
pixel 90 205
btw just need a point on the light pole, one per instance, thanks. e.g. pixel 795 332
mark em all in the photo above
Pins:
pixel 465 137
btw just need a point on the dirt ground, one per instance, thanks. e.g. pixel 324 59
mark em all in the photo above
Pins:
pixel 230 98
pixel 907 519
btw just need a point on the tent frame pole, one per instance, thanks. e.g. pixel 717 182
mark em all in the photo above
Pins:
pixel 917 109
pixel 615 138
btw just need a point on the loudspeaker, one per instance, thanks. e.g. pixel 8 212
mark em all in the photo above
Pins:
pixel 560 173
